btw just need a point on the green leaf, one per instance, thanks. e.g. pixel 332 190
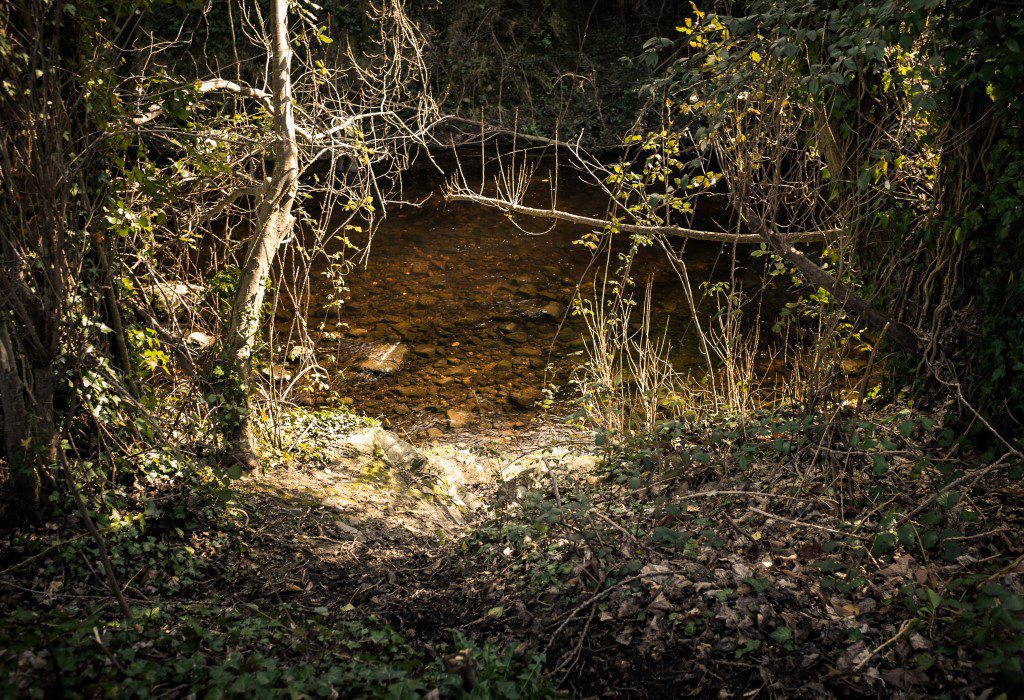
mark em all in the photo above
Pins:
pixel 883 543
pixel 751 645
pixel 906 534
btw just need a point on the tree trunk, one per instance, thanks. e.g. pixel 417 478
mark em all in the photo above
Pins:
pixel 274 226
pixel 45 146
pixel 25 482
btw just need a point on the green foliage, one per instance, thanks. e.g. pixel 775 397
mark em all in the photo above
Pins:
pixel 245 650
pixel 980 614
pixel 993 226
pixel 903 116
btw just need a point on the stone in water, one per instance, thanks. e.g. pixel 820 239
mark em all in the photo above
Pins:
pixel 384 359
pixel 553 311
pixel 459 419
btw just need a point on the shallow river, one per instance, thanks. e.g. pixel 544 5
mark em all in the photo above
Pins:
pixel 474 311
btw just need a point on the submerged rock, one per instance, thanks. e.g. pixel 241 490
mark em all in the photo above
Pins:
pixel 384 359
pixel 414 391
pixel 402 328
pixel 459 419
pixel 526 398
pixel 312 396
pixel 553 311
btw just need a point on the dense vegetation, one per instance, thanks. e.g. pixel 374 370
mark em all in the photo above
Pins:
pixel 827 502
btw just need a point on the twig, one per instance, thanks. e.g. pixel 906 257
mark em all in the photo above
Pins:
pixel 108 569
pixel 35 556
pixel 1007 569
pixel 885 645
pixel 952 485
pixel 732 523
pixel 570 661
pixel 803 524
pixel 106 652
pixel 598 596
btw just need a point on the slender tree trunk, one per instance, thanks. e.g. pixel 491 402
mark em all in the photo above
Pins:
pixel 25 481
pixel 43 149
pixel 274 226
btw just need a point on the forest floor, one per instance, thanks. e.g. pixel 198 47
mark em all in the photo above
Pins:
pixel 708 584
pixel 529 569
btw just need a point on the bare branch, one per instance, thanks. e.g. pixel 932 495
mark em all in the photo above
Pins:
pixel 231 197
pixel 492 130
pixel 694 234
pixel 212 85
pixel 899 333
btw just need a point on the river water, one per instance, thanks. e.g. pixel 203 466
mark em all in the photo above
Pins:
pixel 474 308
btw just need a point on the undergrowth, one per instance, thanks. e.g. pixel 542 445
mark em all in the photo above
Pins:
pixel 175 549
pixel 834 554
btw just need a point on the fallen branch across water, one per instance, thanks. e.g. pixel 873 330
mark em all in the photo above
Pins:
pixel 681 231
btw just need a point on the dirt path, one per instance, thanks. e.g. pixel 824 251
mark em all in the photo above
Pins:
pixel 360 523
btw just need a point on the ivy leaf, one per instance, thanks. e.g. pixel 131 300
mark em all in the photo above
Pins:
pixel 906 534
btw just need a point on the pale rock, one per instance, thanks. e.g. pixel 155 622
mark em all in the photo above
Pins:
pixel 459 419
pixel 384 359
